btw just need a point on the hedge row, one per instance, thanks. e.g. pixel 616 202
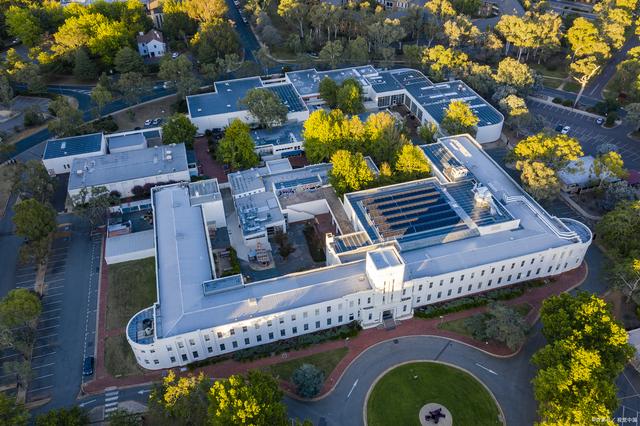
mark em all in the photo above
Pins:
pixel 464 303
pixel 295 343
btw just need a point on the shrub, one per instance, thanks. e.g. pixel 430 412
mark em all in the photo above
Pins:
pixel 308 380
pixel 557 100
pixel 567 103
pixel 611 119
pixel 33 117
pixel 137 191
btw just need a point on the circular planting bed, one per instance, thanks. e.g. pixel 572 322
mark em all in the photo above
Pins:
pixel 399 395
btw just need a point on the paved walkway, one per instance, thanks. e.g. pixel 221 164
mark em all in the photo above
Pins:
pixel 356 346
pixel 209 167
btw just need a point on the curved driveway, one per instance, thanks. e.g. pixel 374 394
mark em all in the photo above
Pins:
pixel 509 379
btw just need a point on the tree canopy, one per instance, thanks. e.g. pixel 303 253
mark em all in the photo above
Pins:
pixel 553 150
pixel 308 380
pixel 74 416
pixel 350 172
pixel 34 220
pixel 266 106
pixel 12 413
pixel 236 148
pixel 19 307
pixel 412 162
pixel 619 228
pixel 586 350
pixel 459 118
pixel 178 129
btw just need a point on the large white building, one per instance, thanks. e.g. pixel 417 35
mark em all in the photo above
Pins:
pixel 300 90
pixel 468 229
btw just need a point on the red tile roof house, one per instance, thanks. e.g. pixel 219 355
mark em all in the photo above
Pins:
pixel 151 44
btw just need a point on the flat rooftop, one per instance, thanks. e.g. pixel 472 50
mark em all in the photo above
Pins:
pixel 435 99
pixel 126 141
pixel 257 212
pixel 228 94
pixel 127 165
pixel 288 133
pixel 307 82
pixel 75 145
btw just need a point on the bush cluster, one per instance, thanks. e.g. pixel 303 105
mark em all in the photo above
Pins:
pixel 464 303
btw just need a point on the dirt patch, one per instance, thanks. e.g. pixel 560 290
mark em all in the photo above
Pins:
pixel 162 108
pixel 118 357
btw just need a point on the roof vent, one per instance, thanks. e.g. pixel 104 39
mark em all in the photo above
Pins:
pixel 63 145
pixel 199 109
pixel 79 172
pixel 228 105
pixel 168 157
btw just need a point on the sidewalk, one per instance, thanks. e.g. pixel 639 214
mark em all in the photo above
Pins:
pixel 366 339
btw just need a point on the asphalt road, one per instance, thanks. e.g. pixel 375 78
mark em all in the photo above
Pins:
pixel 247 38
pixel 595 87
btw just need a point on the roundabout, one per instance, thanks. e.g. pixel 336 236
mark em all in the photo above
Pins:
pixel 421 393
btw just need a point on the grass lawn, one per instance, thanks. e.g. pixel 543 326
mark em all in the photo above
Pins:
pixel 458 326
pixel 132 287
pixel 551 82
pixel 325 361
pixel 397 398
pixel 572 86
pixel 118 357
pixel 558 72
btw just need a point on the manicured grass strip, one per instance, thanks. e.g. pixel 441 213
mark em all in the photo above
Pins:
pixel 132 287
pixel 325 361
pixel 118 357
pixel 398 396
pixel 459 326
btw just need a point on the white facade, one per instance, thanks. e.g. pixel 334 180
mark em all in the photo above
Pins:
pixel 509 239
pixel 221 121
pixel 151 44
pixel 60 153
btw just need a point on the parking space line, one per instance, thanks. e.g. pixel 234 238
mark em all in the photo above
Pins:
pixel 53 281
pixel 43 377
pixel 43 355
pixel 44 365
pixel 47 336
pixel 48 311
pixel 43 346
pixel 50 327
pixel 42 388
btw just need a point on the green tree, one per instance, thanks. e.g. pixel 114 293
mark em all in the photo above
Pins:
pixel 412 162
pixel 350 172
pixel 20 307
pixel 21 22
pixel 460 31
pixel 128 60
pixel 34 220
pixel 265 106
pixel 554 151
pixel 515 74
pixel 582 71
pixel 179 72
pixel 294 10
pixel 332 53
pixel 625 276
pixel 440 9
pixel 459 118
pixel 214 41
pixel 428 132
pixel 325 133
pixel 443 62
pixel 538 179
pixel 63 417
pixel 101 96
pixel 382 137
pixel 467 7
pixel 585 40
pixel 357 52
pixel 12 413
pixel 32 180
pixel 308 380
pixel 349 97
pixel 633 114
pixel 329 92
pixel 619 228
pixel 254 398
pixel 179 400
pixel 93 204
pixel 236 148
pixel 21 370
pixel 84 68
pixel 587 349
pixel 178 129
pixel 68 119
pixel 122 417
pixel 205 10
pixel 132 86
pixel 6 91
pixel 609 165
pixel 506 325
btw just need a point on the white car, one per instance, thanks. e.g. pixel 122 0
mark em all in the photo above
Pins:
pixel 147 122
pixel 565 130
pixel 175 55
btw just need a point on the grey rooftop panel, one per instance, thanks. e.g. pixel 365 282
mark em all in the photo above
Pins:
pixel 74 145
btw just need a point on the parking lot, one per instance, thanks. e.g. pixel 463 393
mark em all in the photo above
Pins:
pixel 66 328
pixel 588 132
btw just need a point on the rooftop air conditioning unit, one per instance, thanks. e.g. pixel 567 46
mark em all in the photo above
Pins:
pixel 79 172
pixel 148 331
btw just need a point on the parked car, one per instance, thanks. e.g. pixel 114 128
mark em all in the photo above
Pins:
pixel 175 55
pixel 559 128
pixel 87 366
pixel 156 121
pixel 166 84
pixel 599 121
pixel 565 130
pixel 147 122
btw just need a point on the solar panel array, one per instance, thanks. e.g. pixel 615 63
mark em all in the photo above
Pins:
pixel 440 155
pixel 74 145
pixel 297 182
pixel 384 82
pixel 410 211
pixel 411 77
pixel 344 243
pixel 289 96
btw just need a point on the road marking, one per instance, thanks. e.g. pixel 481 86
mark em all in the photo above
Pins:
pixel 111 393
pixel 43 355
pixel 487 369
pixel 82 404
pixel 44 365
pixel 54 281
pixel 47 336
pixel 352 388
pixel 39 389
pixel 112 398
pixel 143 391
pixel 111 404
pixel 43 377
pixel 47 328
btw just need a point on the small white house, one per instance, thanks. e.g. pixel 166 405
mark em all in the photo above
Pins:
pixel 151 44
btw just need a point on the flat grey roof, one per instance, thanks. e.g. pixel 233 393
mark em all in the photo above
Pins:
pixel 127 165
pixel 74 145
pixel 129 243
pixel 307 82
pixel 280 135
pixel 182 255
pixel 257 212
pixel 245 181
pixel 385 258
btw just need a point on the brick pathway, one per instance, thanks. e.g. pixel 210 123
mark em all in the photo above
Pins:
pixel 209 167
pixel 357 345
